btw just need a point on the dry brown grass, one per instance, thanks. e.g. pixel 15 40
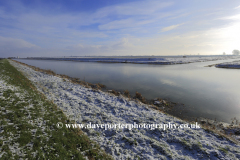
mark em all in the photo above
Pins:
pixel 126 93
pixel 115 93
pixel 213 130
pixel 140 97
pixel 101 85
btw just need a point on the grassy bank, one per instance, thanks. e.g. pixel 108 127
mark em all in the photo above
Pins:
pixel 28 124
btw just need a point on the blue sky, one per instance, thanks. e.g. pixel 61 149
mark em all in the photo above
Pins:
pixel 118 27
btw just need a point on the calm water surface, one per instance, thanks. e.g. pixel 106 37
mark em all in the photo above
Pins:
pixel 206 91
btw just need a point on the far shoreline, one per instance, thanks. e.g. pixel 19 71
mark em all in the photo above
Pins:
pixel 150 60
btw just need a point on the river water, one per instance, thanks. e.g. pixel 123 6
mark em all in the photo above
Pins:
pixel 206 92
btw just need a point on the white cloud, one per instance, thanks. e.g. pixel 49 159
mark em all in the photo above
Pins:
pixel 165 29
pixel 133 8
pixel 111 48
pixel 12 47
pixel 132 14
pixel 233 17
pixel 125 23
pixel 8 43
pixel 237 7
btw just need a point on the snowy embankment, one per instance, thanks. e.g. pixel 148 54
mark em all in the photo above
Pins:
pixel 234 64
pixel 86 105
pixel 142 60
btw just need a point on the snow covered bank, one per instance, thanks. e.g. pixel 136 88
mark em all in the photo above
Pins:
pixel 142 60
pixel 28 124
pixel 234 65
pixel 86 105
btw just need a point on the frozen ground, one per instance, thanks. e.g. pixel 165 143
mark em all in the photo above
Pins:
pixel 15 149
pixel 28 124
pixel 8 137
pixel 234 64
pixel 143 60
pixel 86 105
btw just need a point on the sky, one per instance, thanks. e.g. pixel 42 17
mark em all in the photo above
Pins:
pixel 35 28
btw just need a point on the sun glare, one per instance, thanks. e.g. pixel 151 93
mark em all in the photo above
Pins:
pixel 230 34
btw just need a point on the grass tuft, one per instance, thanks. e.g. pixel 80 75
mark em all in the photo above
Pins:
pixel 126 93
pixel 140 97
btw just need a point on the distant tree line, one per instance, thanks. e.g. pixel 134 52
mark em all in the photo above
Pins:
pixel 235 52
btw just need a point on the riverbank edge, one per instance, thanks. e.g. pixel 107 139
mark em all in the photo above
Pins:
pixel 227 65
pixel 226 130
pixel 35 134
pixel 156 103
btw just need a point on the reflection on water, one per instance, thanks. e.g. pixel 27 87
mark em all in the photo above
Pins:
pixel 206 92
